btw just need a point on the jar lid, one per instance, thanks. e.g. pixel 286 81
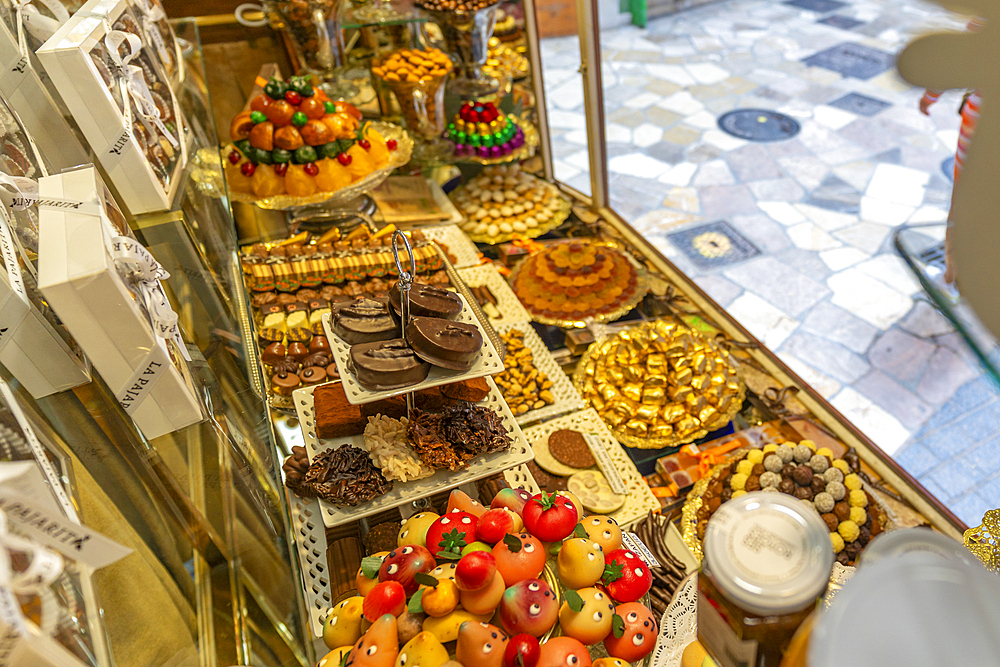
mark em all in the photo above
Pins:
pixel 768 552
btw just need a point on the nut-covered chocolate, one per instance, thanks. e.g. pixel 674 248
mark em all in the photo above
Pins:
pixel 804 493
pixel 803 475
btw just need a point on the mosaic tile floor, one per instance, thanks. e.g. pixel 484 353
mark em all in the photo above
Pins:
pixel 793 237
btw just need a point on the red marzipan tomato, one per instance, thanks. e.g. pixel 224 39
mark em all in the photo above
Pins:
pixel 524 645
pixel 549 517
pixel 626 576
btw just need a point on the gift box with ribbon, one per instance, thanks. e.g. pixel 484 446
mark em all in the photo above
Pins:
pixel 158 32
pixel 23 28
pixel 106 287
pixel 113 83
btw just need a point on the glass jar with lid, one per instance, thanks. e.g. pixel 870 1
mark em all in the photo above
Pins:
pixel 767 562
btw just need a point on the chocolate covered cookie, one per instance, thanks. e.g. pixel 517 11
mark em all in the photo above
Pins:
pixel 387 364
pixel 364 321
pixel 452 345
pixel 428 301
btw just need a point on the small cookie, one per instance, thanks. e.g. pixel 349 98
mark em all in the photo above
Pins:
pixel 547 462
pixel 593 490
pixel 570 448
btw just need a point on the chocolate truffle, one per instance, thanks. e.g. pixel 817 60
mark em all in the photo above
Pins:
pixel 312 375
pixel 298 351
pixel 727 494
pixel 786 485
pixel 452 345
pixel 284 384
pixel 772 463
pixel 864 535
pixel 364 321
pixel 843 558
pixel 803 475
pixel 853 550
pixel 831 521
pixel 387 364
pixel 804 493
pixel 842 510
pixel 273 353
pixel 319 344
pixel 428 301
pixel 819 463
pixel 758 469
pixel 788 470
pixel 818 484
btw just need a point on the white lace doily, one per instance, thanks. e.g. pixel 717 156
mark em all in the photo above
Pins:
pixel 679 625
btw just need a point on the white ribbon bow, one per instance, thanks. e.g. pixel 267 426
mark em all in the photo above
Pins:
pixel 42 27
pixel 134 81
pixel 138 266
pixel 44 568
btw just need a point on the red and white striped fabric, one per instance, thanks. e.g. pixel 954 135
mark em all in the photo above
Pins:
pixel 970 111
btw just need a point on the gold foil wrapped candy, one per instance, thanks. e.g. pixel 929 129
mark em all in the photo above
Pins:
pixel 660 384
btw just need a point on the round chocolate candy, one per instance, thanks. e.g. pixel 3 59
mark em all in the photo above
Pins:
pixel 831 521
pixel 842 510
pixel 786 485
pixel 803 475
pixel 753 483
pixel 319 344
pixel 727 494
pixel 758 469
pixel 853 549
pixel 864 535
pixel 298 351
pixel 273 353
pixel 804 493
pixel 818 484
pixel 843 558
pixel 788 470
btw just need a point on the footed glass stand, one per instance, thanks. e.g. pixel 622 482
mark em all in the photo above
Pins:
pixel 922 248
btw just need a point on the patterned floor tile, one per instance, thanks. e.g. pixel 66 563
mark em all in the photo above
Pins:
pixel 860 104
pixel 713 245
pixel 842 22
pixel 852 59
pixel 821 6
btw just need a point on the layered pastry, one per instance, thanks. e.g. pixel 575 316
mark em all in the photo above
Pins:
pixel 428 301
pixel 451 345
pixel 575 280
pixel 295 141
pixel 505 200
pixel 365 321
pixel 387 364
pixel 484 131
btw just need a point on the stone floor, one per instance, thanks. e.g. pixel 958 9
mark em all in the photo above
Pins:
pixel 794 237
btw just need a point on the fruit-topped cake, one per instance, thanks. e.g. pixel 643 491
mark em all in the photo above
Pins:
pixel 484 131
pixel 575 280
pixel 294 140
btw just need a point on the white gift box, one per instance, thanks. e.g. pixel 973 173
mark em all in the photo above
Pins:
pixel 22 86
pixel 108 314
pixel 120 97
pixel 30 347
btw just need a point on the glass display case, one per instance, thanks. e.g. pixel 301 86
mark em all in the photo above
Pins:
pixel 230 567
